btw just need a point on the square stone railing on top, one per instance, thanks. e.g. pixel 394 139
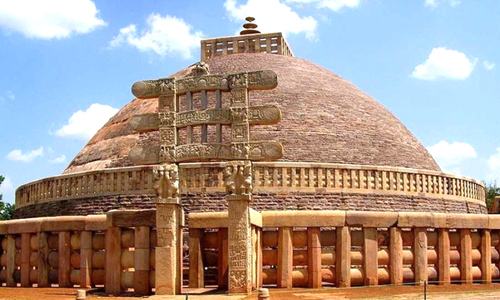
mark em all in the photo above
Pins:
pixel 272 43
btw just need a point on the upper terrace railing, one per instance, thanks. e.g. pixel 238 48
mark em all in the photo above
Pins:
pixel 268 177
pixel 273 43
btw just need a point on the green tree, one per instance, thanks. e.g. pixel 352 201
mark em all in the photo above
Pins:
pixel 6 209
pixel 492 190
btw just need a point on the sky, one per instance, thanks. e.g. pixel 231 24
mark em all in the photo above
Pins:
pixel 66 67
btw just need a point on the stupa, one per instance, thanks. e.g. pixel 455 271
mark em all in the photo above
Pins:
pixel 341 148
pixel 275 171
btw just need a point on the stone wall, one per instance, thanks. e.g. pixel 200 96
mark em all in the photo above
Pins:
pixel 202 202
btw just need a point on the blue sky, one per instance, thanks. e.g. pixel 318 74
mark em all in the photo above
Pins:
pixel 67 66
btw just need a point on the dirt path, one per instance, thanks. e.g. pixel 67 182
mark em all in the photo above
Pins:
pixel 453 292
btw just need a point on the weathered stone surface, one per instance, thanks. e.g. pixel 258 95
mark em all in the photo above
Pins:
pixel 213 201
pixel 371 219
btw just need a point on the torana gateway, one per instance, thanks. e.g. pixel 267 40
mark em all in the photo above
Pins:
pixel 283 173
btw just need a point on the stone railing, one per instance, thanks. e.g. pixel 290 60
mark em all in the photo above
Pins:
pixel 116 251
pixel 273 43
pixel 130 180
pixel 351 248
pixel 268 177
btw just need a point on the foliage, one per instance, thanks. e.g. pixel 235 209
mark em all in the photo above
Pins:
pixel 6 209
pixel 492 190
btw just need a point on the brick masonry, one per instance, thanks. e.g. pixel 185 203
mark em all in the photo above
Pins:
pixel 326 119
pixel 203 202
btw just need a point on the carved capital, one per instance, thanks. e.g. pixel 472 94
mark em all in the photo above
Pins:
pixel 238 179
pixel 166 181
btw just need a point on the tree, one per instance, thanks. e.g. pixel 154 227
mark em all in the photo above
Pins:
pixel 492 190
pixel 6 209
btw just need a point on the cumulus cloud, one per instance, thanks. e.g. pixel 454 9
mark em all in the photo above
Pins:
pixel 335 5
pixel 447 154
pixel 164 35
pixel 445 63
pixel 49 19
pixel 84 124
pixel 6 186
pixel 435 3
pixel 59 159
pixel 18 155
pixel 272 16
pixel 494 166
pixel 488 65
pixel 11 95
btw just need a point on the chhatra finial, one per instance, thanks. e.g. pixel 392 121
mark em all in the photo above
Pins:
pixel 250 28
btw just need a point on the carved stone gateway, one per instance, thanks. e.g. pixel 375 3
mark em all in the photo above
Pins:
pixel 169 219
pixel 238 182
pixel 237 174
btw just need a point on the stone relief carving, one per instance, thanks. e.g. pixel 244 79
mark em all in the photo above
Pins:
pixel 167 181
pixel 257 115
pixel 168 135
pixel 239 132
pixel 152 88
pixel 167 153
pixel 201 68
pixel 208 82
pixel 238 80
pixel 166 102
pixel 238 178
pixel 239 114
pixel 239 97
pixel 167 118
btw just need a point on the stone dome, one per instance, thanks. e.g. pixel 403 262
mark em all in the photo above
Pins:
pixel 326 119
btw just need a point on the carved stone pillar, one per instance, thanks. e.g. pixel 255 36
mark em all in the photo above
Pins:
pixel 238 182
pixel 168 278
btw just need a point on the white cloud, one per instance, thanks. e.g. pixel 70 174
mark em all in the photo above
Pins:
pixel 447 154
pixel 18 155
pixel 11 95
pixel 49 19
pixel 494 165
pixel 488 65
pixel 335 5
pixel 272 16
pixel 6 186
pixel 164 35
pixel 435 3
pixel 445 63
pixel 84 124
pixel 59 159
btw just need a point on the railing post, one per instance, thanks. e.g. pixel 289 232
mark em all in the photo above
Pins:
pixel 25 259
pixel 396 256
pixel 443 256
pixel 420 255
pixel 343 259
pixel 196 268
pixel 314 257
pixel 222 258
pixel 11 265
pixel 43 255
pixel 141 264
pixel 64 269
pixel 486 256
pixel 370 251
pixel 86 259
pixel 113 260
pixel 285 257
pixel 465 256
